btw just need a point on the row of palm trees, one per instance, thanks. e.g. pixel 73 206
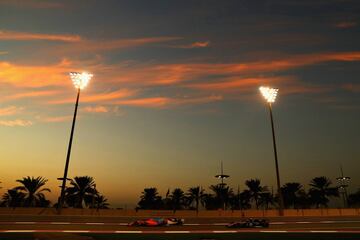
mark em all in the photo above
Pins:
pixel 81 193
pixel 256 196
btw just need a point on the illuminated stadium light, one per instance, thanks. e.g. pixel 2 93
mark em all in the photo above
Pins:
pixel 80 80
pixel 269 93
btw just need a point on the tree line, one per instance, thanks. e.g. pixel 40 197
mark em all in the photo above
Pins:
pixel 81 193
pixel 221 196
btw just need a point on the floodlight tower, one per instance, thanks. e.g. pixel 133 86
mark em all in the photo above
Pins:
pixel 270 95
pixel 222 176
pixel 343 184
pixel 80 80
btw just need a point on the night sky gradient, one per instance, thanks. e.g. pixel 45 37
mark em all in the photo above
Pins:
pixel 175 91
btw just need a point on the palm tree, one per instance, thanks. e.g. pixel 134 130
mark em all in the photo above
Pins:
pixel 255 189
pixel 266 199
pixel 177 199
pixel 150 199
pixel 100 202
pixel 303 200
pixel 223 194
pixel 196 194
pixel 82 191
pixel 321 190
pixel 210 203
pixel 354 199
pixel 245 198
pixel 12 198
pixel 33 194
pixel 291 194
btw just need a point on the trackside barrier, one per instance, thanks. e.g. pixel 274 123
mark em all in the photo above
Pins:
pixel 182 213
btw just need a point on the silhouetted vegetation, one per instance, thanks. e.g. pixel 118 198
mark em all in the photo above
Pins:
pixel 354 199
pixel 31 193
pixel 150 199
pixel 321 190
pixel 222 196
pixel 82 193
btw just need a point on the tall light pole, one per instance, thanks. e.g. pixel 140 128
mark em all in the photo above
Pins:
pixel 80 80
pixel 270 95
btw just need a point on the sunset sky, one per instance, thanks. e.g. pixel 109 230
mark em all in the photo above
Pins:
pixel 175 91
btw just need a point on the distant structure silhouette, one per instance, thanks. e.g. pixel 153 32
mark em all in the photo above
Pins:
pixel 343 183
pixel 222 176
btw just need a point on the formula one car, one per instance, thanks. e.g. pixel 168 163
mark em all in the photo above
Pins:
pixel 249 223
pixel 156 222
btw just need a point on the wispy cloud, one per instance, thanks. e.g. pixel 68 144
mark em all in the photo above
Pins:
pixel 164 102
pixel 194 45
pixel 236 83
pixel 169 74
pixel 345 24
pixel 36 4
pixel 99 97
pixel 32 94
pixel 108 45
pixel 352 87
pixel 96 109
pixel 56 119
pixel 14 123
pixel 11 110
pixel 21 36
pixel 35 76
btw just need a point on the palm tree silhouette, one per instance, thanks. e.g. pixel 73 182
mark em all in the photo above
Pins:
pixel 150 199
pixel 245 198
pixel 354 199
pixel 266 199
pixel 82 191
pixel 196 194
pixel 12 198
pixel 33 194
pixel 177 199
pixel 223 194
pixel 291 193
pixel 255 189
pixel 100 202
pixel 321 190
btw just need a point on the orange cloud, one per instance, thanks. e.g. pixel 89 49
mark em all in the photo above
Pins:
pixel 21 36
pixel 96 109
pixel 352 87
pixel 100 97
pixel 195 45
pixel 11 110
pixel 39 4
pixel 162 102
pixel 168 74
pixel 35 76
pixel 32 94
pixel 99 46
pixel 14 123
pixel 56 119
pixel 347 24
pixel 237 83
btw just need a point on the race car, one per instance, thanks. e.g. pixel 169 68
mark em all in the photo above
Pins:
pixel 156 222
pixel 250 223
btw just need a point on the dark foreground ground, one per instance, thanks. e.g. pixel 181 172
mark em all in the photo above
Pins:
pixel 101 228
pixel 217 236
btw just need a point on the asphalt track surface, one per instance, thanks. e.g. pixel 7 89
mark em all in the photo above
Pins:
pixel 88 227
